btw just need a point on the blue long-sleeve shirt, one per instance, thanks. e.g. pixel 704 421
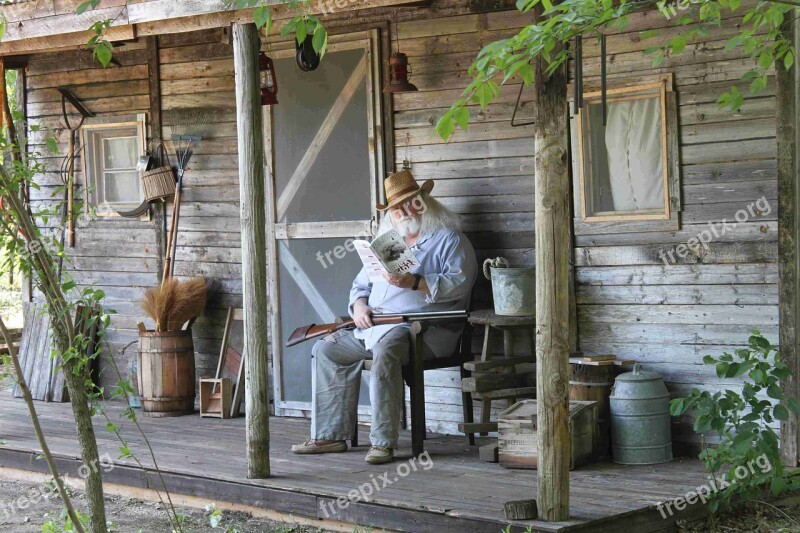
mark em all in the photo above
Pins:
pixel 448 264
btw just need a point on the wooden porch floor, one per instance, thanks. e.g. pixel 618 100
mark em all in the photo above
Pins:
pixel 206 458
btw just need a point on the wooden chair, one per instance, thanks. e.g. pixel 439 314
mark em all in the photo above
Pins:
pixel 414 376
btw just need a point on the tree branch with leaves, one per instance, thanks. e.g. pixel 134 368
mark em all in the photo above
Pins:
pixel 303 24
pixel 550 37
pixel 13 359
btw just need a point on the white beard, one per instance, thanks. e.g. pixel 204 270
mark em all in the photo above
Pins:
pixel 408 226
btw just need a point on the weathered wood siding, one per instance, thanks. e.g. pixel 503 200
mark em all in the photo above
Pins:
pixel 117 255
pixel 485 174
pixel 120 255
pixel 197 71
pixel 668 316
pixel 629 302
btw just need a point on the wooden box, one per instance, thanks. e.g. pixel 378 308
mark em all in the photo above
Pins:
pixel 518 440
pixel 215 398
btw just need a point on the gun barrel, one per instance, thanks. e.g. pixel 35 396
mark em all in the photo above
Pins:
pixel 317 330
pixel 431 314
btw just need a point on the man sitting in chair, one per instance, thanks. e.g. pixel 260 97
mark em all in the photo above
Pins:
pixel 442 282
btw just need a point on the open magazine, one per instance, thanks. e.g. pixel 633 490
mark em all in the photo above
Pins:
pixel 386 253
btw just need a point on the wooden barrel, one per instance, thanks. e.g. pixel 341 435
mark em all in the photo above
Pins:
pixel 166 373
pixel 593 383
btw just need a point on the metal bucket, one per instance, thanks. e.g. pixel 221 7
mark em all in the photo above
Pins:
pixel 640 419
pixel 514 290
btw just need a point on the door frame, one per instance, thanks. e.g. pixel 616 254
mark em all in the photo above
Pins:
pixel 370 40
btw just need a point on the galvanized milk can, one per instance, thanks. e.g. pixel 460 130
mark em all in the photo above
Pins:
pixel 640 419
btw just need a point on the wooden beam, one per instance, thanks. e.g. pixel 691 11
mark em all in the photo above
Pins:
pixel 62 41
pixel 21 90
pixel 66 23
pixel 273 278
pixel 158 10
pixel 553 250
pixel 249 129
pixel 374 13
pixel 154 90
pixel 788 235
pixel 3 93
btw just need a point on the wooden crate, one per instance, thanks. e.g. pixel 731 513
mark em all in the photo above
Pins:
pixel 518 440
pixel 215 398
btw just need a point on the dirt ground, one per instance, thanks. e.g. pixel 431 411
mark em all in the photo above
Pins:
pixel 754 517
pixel 128 515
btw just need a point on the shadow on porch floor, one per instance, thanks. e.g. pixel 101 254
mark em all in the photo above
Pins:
pixel 454 491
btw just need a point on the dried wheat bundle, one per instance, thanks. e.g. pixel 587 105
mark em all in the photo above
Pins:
pixel 158 302
pixel 171 304
pixel 190 300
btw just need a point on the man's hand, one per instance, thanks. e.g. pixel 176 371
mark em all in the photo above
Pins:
pixel 403 281
pixel 362 314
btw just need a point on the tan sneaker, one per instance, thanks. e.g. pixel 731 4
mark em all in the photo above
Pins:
pixel 312 446
pixel 378 455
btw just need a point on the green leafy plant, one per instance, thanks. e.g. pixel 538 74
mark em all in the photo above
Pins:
pixel 101 47
pixel 98 43
pixel 748 455
pixel 215 518
pixel 303 24
pixel 63 524
pixel 508 530
pixel 559 23
pixel 26 243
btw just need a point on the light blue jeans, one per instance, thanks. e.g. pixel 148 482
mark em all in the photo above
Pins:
pixel 338 362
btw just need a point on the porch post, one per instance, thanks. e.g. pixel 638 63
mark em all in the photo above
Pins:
pixel 788 234
pixel 553 249
pixel 254 256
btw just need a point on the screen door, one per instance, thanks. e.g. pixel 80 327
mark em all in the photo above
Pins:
pixel 326 164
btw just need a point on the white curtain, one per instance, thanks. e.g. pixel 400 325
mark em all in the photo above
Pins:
pixel 632 170
pixel 120 153
pixel 120 179
pixel 634 152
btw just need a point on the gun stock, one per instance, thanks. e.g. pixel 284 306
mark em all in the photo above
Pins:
pixel 313 331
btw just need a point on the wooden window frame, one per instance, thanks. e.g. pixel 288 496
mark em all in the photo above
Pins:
pixel 138 122
pixel 662 220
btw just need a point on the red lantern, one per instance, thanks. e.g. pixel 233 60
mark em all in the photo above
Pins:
pixel 399 70
pixel 269 82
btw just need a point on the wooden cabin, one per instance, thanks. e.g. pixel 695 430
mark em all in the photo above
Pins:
pixel 663 286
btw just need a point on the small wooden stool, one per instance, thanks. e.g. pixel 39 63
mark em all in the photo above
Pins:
pixel 498 386
pixel 215 398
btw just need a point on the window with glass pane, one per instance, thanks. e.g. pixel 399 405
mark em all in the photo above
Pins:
pixel 624 163
pixel 111 156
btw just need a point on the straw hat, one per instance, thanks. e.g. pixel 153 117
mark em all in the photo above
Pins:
pixel 402 186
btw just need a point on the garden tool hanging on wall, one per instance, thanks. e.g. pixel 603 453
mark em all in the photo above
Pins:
pixel 188 127
pixel 157 178
pixel 68 164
